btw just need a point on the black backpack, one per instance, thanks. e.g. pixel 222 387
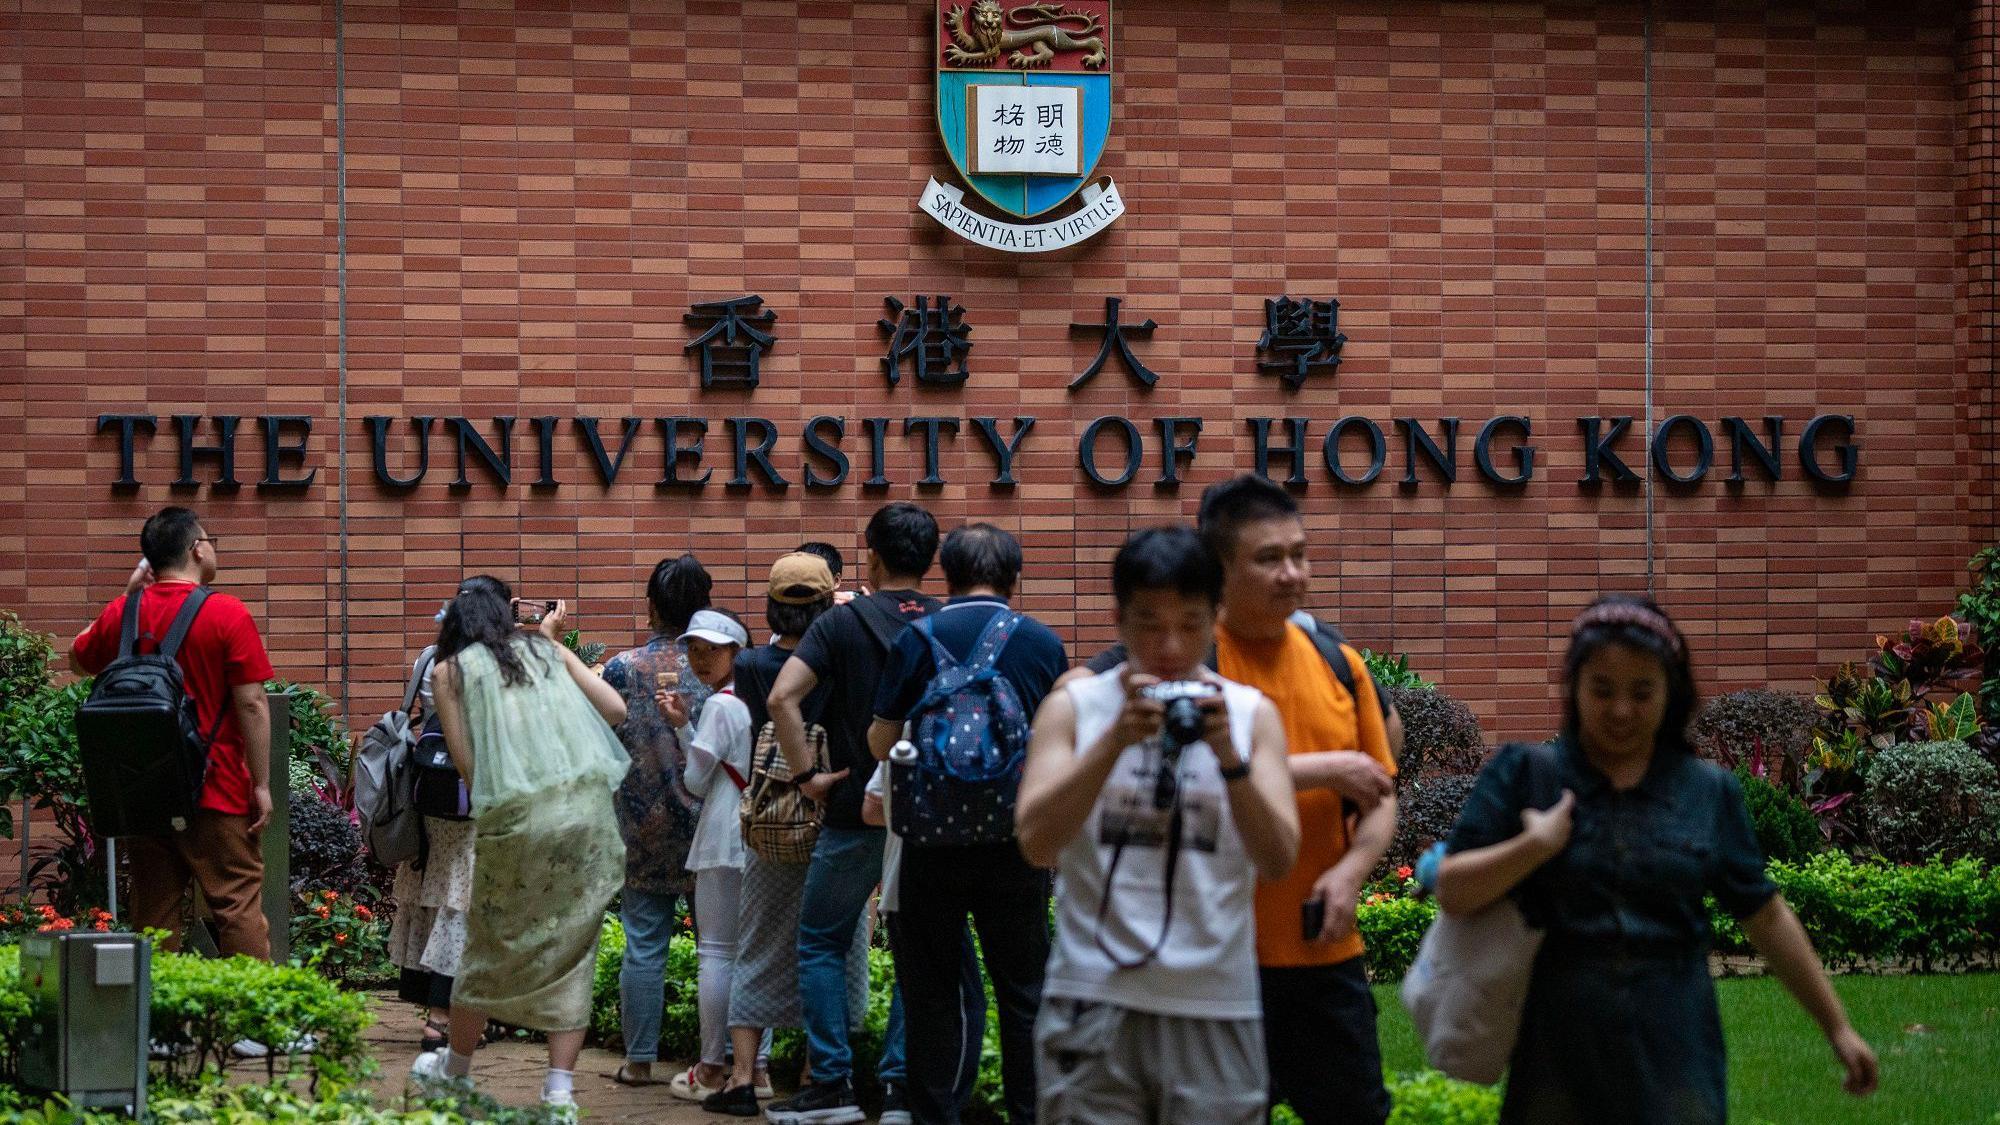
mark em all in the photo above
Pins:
pixel 143 751
pixel 438 790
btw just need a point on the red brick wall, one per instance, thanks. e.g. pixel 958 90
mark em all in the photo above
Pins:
pixel 533 199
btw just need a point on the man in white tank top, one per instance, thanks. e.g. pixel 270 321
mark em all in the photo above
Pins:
pixel 1160 793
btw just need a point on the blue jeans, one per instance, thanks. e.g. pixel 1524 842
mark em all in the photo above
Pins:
pixel 846 866
pixel 649 927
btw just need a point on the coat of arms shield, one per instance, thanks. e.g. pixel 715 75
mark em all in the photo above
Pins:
pixel 1024 96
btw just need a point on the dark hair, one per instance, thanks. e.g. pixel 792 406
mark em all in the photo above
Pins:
pixel 168 537
pixel 793 620
pixel 676 590
pixel 905 537
pixel 980 554
pixel 1638 623
pixel 825 552
pixel 483 614
pixel 1229 504
pixel 1166 558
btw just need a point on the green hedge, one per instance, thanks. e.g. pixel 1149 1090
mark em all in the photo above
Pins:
pixel 244 1105
pixel 1933 916
pixel 203 1006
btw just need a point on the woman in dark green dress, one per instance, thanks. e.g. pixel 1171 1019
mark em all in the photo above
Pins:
pixel 1621 1021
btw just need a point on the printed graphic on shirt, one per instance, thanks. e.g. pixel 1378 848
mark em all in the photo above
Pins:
pixel 1139 808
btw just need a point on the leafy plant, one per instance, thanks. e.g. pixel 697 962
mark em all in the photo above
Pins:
pixel 340 936
pixel 1938 915
pixel 1391 930
pixel 1441 735
pixel 1429 1098
pixel 1392 670
pixel 38 756
pixel 1786 828
pixel 24 657
pixel 1957 721
pixel 1979 608
pixel 1929 799
pixel 1425 812
pixel 322 756
pixel 1769 732
pixel 1929 656
pixel 590 652
pixel 325 848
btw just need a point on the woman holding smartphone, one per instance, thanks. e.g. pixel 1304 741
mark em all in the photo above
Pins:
pixel 529 728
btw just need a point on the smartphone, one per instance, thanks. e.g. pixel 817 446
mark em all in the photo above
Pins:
pixel 528 612
pixel 1312 917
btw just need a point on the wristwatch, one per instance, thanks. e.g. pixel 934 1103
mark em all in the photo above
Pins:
pixel 1237 772
pixel 808 775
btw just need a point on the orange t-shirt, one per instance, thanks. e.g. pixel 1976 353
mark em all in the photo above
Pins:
pixel 1318 714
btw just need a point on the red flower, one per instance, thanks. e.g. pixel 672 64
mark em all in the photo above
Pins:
pixel 1405 871
pixel 324 912
pixel 340 939
pixel 330 896
pixel 365 914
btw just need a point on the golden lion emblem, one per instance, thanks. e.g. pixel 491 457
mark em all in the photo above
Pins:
pixel 1038 32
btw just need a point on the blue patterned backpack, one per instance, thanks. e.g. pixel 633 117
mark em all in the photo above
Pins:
pixel 971 735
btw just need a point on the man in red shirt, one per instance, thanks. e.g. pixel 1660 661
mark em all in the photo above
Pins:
pixel 224 668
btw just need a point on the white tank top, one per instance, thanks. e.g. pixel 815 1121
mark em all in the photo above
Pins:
pixel 1207 966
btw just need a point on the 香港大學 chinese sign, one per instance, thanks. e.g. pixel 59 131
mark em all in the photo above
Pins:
pixel 928 339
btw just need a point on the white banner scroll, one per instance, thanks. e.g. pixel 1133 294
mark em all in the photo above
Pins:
pixel 1102 205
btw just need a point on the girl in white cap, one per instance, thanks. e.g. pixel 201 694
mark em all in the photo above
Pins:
pixel 718 766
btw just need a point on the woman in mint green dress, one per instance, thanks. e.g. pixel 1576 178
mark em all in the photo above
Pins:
pixel 529 727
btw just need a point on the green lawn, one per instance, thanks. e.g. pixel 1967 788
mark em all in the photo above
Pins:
pixel 1938 1038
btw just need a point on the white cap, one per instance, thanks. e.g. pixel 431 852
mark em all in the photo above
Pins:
pixel 716 629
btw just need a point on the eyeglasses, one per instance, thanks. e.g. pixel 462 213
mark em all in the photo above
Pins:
pixel 212 540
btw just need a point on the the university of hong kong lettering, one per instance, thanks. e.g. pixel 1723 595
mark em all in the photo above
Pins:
pixel 1024 103
pixel 929 339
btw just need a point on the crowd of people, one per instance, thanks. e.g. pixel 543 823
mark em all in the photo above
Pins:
pixel 1153 856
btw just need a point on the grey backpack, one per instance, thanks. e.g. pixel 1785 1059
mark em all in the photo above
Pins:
pixel 385 780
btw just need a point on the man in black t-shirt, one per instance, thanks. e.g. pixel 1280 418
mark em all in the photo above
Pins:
pixel 939 886
pixel 845 650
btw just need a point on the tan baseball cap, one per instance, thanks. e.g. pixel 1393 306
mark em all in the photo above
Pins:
pixel 800 578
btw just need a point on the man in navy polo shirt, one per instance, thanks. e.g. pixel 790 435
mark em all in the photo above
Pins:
pixel 1006 896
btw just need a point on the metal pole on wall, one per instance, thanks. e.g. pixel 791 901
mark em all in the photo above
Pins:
pixel 111 874
pixel 26 830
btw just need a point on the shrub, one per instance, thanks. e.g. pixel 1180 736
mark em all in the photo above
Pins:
pixel 340 937
pixel 24 657
pixel 1762 730
pixel 1391 930
pixel 206 1005
pixel 38 755
pixel 1425 812
pixel 216 1101
pixel 1928 799
pixel 1936 916
pixel 1786 828
pixel 1392 670
pixel 1429 1098
pixel 1979 607
pixel 1440 734
pixel 321 753
pixel 325 848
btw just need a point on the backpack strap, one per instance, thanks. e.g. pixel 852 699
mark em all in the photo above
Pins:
pixel 1331 650
pixel 417 680
pixel 128 628
pixel 880 623
pixel 183 621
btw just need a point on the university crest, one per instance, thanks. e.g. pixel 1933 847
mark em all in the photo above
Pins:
pixel 1024 108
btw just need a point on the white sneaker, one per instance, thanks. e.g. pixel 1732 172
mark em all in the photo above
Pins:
pixel 427 1072
pixel 560 1104
pixel 251 1049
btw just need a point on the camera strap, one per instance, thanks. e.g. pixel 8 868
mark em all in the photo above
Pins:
pixel 1173 861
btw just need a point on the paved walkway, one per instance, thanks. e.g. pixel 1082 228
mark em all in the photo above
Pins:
pixel 512 1072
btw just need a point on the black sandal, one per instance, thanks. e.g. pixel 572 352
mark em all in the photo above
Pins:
pixel 436 1036
pixel 735 1101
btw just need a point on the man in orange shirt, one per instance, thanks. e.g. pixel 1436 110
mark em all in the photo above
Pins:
pixel 1319 1016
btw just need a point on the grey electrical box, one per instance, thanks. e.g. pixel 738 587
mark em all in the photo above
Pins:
pixel 87 1034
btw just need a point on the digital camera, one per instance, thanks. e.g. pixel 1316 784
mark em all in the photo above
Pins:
pixel 1183 700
